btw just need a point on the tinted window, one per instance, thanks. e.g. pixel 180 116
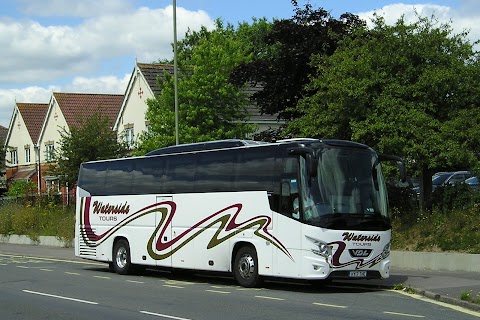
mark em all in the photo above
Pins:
pixel 255 170
pixel 251 169
pixel 92 177
pixel 215 171
pixel 119 177
pixel 149 175
pixel 180 170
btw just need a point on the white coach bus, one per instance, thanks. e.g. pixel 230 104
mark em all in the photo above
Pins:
pixel 301 208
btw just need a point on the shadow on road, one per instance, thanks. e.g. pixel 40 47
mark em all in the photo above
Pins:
pixel 226 279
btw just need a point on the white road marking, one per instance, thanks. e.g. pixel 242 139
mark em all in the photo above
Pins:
pixel 163 315
pixel 217 291
pixel 50 259
pixel 404 314
pixel 329 305
pixel 443 304
pixel 174 282
pixel 73 273
pixel 172 286
pixel 58 297
pixel 134 281
pixel 270 298
pixel 101 277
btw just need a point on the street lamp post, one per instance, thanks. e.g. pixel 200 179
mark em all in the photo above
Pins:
pixel 175 76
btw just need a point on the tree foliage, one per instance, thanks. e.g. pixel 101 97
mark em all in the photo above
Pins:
pixel 286 69
pixel 21 188
pixel 406 89
pixel 209 107
pixel 93 139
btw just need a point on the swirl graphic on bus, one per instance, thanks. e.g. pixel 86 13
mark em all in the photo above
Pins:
pixel 226 219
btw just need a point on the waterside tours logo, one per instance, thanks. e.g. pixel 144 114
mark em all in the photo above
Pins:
pixel 109 212
pixel 350 236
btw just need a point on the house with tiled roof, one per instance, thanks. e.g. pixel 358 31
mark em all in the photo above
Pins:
pixel 143 85
pixel 65 111
pixel 21 141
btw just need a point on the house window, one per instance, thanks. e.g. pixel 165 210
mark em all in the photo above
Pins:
pixel 13 156
pixel 147 126
pixel 49 151
pixel 129 135
pixel 28 157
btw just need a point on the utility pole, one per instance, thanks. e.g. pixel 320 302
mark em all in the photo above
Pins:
pixel 175 76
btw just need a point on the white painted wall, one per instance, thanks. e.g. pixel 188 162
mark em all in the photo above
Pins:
pixel 50 132
pixel 19 138
pixel 135 106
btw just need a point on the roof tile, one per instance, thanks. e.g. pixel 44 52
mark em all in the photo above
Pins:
pixel 33 115
pixel 77 107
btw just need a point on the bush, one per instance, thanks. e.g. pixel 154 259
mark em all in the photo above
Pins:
pixel 452 225
pixel 34 221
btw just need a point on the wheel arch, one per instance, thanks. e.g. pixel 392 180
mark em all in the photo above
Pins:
pixel 236 247
pixel 114 242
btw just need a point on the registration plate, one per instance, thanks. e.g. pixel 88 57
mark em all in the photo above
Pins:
pixel 357 274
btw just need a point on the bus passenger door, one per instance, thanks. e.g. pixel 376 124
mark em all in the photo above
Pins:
pixel 288 230
pixel 163 234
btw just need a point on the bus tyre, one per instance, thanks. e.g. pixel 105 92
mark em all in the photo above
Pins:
pixel 245 268
pixel 121 257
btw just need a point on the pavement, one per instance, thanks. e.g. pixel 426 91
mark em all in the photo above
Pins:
pixel 444 286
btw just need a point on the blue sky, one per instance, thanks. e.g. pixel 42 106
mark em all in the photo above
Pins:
pixel 91 45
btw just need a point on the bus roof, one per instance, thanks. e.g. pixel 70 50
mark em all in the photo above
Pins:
pixel 207 145
pixel 233 143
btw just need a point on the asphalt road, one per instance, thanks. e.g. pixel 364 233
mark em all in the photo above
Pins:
pixel 43 288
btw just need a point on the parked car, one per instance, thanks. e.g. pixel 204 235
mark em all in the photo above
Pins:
pixel 450 178
pixel 447 178
pixel 472 182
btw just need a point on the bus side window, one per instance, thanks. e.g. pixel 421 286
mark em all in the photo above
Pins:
pixel 180 170
pixel 92 178
pixel 289 188
pixel 255 171
pixel 118 179
pixel 215 171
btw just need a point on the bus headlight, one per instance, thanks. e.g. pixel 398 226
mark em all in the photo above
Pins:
pixel 323 250
pixel 386 251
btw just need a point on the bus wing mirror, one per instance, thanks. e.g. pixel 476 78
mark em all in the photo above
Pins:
pixel 400 163
pixel 309 155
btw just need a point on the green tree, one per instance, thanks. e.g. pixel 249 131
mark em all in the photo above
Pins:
pixel 405 89
pixel 285 69
pixel 210 107
pixel 93 139
pixel 21 189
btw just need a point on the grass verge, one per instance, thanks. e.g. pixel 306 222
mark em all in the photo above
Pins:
pixel 35 221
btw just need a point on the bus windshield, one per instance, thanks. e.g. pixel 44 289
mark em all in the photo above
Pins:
pixel 348 191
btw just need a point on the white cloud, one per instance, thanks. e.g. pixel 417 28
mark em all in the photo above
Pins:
pixel 43 57
pixel 463 18
pixel 35 52
pixel 107 84
pixel 33 94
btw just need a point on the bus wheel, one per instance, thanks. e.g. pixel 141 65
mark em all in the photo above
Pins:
pixel 121 257
pixel 245 267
